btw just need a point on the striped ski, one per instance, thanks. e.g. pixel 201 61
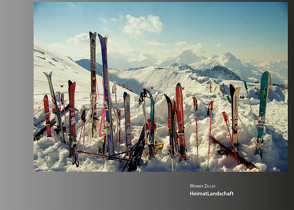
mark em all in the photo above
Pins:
pixel 93 82
pixel 127 121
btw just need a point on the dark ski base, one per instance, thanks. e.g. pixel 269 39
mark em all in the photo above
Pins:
pixel 106 157
pixel 52 122
pixel 228 151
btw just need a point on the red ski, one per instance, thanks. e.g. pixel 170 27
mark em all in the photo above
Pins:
pixel 180 119
pixel 47 115
pixel 72 123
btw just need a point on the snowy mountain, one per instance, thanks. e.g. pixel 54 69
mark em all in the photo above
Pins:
pixel 278 69
pixel 86 64
pixel 248 71
pixel 186 57
pixel 245 71
pixel 52 155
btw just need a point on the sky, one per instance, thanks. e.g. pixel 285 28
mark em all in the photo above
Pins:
pixel 249 31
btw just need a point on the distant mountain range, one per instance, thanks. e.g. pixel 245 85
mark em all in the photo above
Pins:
pixel 245 71
pixel 86 64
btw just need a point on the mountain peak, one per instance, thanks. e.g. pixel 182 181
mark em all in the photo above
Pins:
pixel 230 55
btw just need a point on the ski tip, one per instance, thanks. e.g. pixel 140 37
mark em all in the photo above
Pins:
pixel 92 33
pixel 125 94
pixel 73 85
pixel 258 152
pixel 103 37
pixel 48 75
pixel 179 85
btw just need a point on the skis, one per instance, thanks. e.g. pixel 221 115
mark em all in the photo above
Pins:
pixel 228 151
pixel 40 131
pixel 107 98
pixel 180 120
pixel 72 123
pixel 234 102
pixel 57 112
pixel 227 124
pixel 264 86
pixel 63 104
pixel 112 157
pixel 47 115
pixel 135 160
pixel 171 129
pixel 151 126
pixel 119 129
pixel 93 82
pixel 127 121
pixel 195 106
pixel 83 131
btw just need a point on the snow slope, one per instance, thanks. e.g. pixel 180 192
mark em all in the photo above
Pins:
pixel 51 155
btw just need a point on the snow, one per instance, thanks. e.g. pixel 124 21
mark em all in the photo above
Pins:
pixel 51 155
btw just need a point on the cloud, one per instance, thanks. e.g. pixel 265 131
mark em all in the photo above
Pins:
pixel 113 19
pixel 183 45
pixel 103 20
pixel 70 50
pixel 79 38
pixel 71 4
pixel 219 45
pixel 153 43
pixel 136 57
pixel 138 26
pixel 112 46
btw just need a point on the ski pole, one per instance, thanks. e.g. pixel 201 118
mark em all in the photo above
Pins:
pixel 142 101
pixel 62 102
pixel 102 121
pixel 83 117
pixel 119 118
pixel 82 128
pixel 226 120
pixel 115 108
pixel 209 111
pixel 195 112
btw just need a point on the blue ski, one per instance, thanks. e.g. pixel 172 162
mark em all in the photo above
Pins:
pixel 107 98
